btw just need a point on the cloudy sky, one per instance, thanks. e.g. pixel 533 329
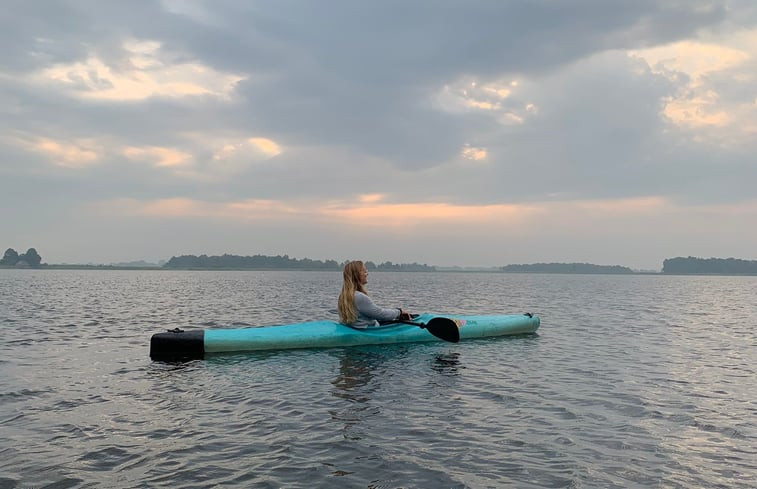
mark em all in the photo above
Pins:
pixel 470 133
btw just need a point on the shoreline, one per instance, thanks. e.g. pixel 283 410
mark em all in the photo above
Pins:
pixel 457 270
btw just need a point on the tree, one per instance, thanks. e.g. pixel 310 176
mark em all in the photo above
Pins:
pixel 32 257
pixel 10 258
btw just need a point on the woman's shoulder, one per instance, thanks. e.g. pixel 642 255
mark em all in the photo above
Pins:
pixel 361 296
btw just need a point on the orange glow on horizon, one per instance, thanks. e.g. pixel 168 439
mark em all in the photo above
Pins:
pixel 421 212
pixel 368 214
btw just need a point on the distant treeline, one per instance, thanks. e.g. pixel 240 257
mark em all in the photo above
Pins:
pixel 11 258
pixel 714 266
pixel 252 262
pixel 675 266
pixel 279 262
pixel 565 268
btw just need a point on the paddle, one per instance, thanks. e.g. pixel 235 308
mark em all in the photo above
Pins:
pixel 443 328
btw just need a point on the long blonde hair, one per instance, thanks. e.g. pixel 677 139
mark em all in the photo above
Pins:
pixel 346 305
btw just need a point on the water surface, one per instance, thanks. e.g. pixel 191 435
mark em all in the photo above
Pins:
pixel 631 381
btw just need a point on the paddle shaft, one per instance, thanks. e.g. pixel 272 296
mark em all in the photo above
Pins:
pixel 443 328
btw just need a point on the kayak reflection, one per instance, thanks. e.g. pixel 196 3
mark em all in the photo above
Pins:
pixel 357 383
pixel 356 371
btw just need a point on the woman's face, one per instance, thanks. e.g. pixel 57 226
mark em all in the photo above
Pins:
pixel 363 275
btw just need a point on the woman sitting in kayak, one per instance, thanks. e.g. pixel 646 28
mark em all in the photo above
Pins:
pixel 356 309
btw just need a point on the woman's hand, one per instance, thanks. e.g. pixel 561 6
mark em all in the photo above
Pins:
pixel 405 316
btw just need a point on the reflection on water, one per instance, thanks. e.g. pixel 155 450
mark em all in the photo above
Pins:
pixel 355 374
pixel 447 364
pixel 361 376
pixel 356 383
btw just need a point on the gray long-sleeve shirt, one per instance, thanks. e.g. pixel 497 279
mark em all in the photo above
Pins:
pixel 369 314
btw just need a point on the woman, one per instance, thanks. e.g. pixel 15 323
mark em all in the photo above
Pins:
pixel 356 309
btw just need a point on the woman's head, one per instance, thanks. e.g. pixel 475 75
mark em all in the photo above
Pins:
pixel 355 274
pixel 355 278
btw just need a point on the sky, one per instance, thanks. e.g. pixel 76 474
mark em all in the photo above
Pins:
pixel 472 133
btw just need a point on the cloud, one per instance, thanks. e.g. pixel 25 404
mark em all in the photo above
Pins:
pixel 143 72
pixel 472 153
pixel 71 154
pixel 267 146
pixel 694 67
pixel 161 157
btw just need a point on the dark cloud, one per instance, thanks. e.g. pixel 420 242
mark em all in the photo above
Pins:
pixel 359 75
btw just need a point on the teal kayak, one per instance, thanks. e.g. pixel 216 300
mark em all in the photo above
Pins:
pixel 179 344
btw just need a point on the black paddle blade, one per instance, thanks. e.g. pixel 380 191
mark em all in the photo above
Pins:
pixel 444 328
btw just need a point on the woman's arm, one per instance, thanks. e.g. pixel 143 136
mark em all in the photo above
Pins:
pixel 367 308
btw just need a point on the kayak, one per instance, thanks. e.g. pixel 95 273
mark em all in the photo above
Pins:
pixel 177 344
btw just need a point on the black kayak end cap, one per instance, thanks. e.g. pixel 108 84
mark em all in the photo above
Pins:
pixel 178 345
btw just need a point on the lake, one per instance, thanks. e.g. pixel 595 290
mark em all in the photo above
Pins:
pixel 632 381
